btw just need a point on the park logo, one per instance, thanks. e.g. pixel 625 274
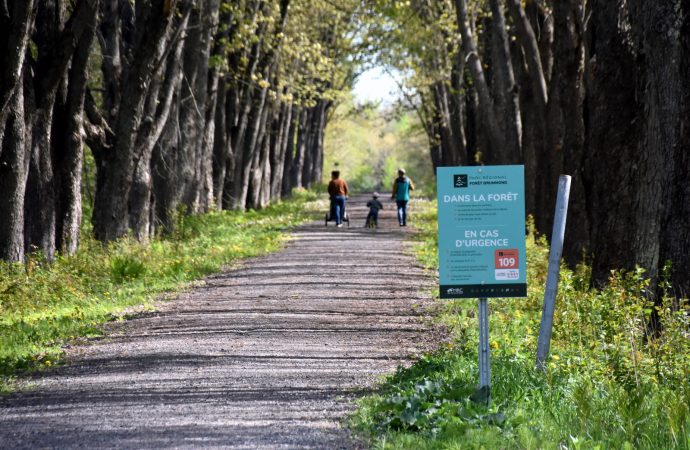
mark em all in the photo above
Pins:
pixel 460 181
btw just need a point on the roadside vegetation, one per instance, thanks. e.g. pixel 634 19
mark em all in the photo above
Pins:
pixel 369 142
pixel 608 384
pixel 45 305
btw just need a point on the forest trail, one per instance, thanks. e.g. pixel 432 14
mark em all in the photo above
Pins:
pixel 269 355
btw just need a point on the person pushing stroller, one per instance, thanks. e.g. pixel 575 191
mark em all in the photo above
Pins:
pixel 374 206
pixel 337 191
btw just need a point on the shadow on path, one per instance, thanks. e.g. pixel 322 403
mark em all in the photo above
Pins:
pixel 269 355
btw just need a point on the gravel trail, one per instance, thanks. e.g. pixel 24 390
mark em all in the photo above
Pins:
pixel 267 356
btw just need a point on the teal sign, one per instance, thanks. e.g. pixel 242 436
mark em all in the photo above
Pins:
pixel 481 231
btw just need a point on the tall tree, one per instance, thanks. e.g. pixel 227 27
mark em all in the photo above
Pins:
pixel 133 41
pixel 16 20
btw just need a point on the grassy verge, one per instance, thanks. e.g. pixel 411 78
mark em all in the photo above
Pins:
pixel 43 305
pixel 607 385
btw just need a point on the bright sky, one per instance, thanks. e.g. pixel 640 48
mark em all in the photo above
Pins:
pixel 376 84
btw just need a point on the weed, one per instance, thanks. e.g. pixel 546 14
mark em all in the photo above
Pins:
pixel 42 305
pixel 608 384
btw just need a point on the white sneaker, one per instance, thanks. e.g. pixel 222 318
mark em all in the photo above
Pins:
pixel 339 225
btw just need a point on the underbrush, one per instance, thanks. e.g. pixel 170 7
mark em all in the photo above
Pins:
pixel 44 305
pixel 608 382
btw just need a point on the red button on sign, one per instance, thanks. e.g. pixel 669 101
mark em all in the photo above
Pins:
pixel 506 259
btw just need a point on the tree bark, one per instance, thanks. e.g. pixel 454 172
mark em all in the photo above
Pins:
pixel 222 149
pixel 530 47
pixel 613 132
pixel 243 168
pixel 14 168
pixel 279 147
pixel 116 166
pixel 506 93
pixel 486 103
pixel 164 163
pixel 15 31
pixel 69 162
pixel 165 88
pixel 56 39
pixel 568 78
pixel 260 159
pixel 676 220
pixel 289 171
pixel 658 29
pixel 193 107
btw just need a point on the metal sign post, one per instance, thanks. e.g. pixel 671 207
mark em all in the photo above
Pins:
pixel 557 235
pixel 484 349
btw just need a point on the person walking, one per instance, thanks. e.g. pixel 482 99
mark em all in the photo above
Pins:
pixel 337 190
pixel 401 194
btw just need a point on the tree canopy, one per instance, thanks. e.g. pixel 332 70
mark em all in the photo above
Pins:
pixel 194 105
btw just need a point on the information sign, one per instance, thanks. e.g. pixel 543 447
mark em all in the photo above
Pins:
pixel 481 231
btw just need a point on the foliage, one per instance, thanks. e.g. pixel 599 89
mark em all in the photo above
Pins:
pixel 608 384
pixel 420 40
pixel 367 144
pixel 44 305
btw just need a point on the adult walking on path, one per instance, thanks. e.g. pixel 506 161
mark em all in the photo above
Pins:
pixel 337 190
pixel 401 194
pixel 269 355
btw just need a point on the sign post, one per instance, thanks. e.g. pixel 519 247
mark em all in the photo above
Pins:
pixel 481 241
pixel 484 349
pixel 557 235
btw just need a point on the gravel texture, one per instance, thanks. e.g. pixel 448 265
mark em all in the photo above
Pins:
pixel 270 355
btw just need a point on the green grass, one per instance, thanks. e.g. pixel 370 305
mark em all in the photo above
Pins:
pixel 43 306
pixel 607 384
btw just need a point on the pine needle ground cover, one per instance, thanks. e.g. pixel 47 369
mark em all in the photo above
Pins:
pixel 45 305
pixel 609 383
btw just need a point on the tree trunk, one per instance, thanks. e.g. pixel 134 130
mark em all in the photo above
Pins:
pixel 243 167
pixel 568 78
pixel 457 110
pixel 658 29
pixel 614 130
pixel 116 166
pixel 193 112
pixel 14 168
pixel 676 221
pixel 40 202
pixel 324 106
pixel 164 162
pixel 162 92
pixel 506 93
pixel 56 39
pixel 261 159
pixel 450 143
pixel 69 162
pixel 15 31
pixel 289 174
pixel 487 108
pixel 279 149
pixel 222 150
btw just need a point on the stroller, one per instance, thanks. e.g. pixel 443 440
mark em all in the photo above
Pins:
pixel 330 216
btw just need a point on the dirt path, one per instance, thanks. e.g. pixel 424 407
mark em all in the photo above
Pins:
pixel 267 356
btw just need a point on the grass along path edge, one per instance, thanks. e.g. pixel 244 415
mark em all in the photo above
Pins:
pixel 608 383
pixel 44 306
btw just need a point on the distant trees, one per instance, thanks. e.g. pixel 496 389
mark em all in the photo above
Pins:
pixel 597 89
pixel 186 106
pixel 192 105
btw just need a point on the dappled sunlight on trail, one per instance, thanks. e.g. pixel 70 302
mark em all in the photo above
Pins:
pixel 269 355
